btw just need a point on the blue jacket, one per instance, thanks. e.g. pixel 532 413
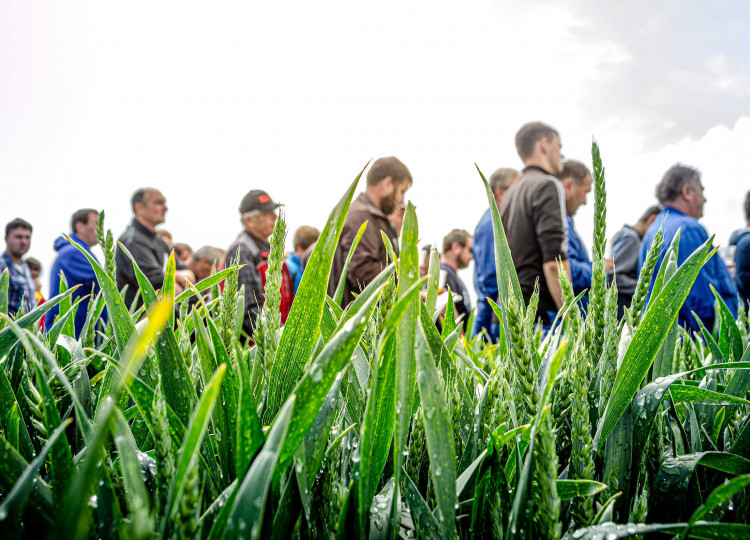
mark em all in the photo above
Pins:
pixel 294 264
pixel 580 263
pixel 485 275
pixel 741 240
pixel 692 235
pixel 78 271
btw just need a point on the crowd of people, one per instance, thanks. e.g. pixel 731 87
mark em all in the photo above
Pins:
pixel 537 208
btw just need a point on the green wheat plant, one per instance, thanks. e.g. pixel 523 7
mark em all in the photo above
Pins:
pixel 366 420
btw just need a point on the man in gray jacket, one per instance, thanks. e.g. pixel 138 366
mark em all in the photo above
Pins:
pixel 258 216
pixel 623 266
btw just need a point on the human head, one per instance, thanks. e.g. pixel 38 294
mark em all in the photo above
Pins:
pixel 539 144
pixel 576 180
pixel 167 237
pixel 203 260
pixel 18 237
pixel 183 251
pixel 35 267
pixel 83 224
pixel 258 213
pixel 424 264
pixel 149 207
pixel 501 180
pixel 646 219
pixel 387 181
pixel 681 188
pixel 304 237
pixel 457 248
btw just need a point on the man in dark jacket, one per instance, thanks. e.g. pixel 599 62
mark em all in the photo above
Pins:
pixel 75 266
pixel 626 245
pixel 258 216
pixel 533 214
pixel 456 256
pixel 741 240
pixel 387 181
pixel 146 246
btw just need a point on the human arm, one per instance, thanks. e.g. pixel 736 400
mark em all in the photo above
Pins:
pixel 550 229
pixel 553 282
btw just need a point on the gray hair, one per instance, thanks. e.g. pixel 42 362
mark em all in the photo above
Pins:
pixel 207 252
pixel 670 186
pixel 502 178
pixel 252 214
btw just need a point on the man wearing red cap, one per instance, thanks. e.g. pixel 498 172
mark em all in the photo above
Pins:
pixel 258 216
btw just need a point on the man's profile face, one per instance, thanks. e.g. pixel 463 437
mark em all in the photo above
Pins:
pixel 87 231
pixel 18 241
pixel 576 193
pixel 393 196
pixel 465 256
pixel 201 268
pixel 554 154
pixel 153 208
pixel 695 198
pixel 266 222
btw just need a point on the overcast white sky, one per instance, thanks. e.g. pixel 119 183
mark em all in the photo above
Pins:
pixel 206 101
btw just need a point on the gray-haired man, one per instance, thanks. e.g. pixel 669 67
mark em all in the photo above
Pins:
pixel 258 216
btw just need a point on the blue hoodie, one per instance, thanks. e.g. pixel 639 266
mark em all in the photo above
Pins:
pixel 78 271
pixel 485 276
pixel 741 239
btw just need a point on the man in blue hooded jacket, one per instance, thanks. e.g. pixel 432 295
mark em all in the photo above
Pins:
pixel 740 239
pixel 483 252
pixel 680 194
pixel 75 266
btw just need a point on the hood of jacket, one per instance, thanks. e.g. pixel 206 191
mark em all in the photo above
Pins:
pixel 737 235
pixel 61 242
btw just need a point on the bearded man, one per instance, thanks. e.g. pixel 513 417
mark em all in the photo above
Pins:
pixel 387 182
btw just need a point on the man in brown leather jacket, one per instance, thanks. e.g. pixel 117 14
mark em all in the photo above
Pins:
pixel 387 181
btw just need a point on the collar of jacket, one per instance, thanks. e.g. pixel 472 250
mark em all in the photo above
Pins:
pixel 537 168
pixel 363 198
pixel 143 229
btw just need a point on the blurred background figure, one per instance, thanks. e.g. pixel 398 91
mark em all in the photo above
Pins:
pixel 680 193
pixel 387 181
pixel 304 237
pixel 204 261
pixel 75 266
pixel 21 290
pixel 183 251
pixel 424 263
pixel 483 251
pixel 623 265
pixel 576 180
pixel 456 256
pixel 740 240
pixel 167 237
pixel 148 249
pixel 36 272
